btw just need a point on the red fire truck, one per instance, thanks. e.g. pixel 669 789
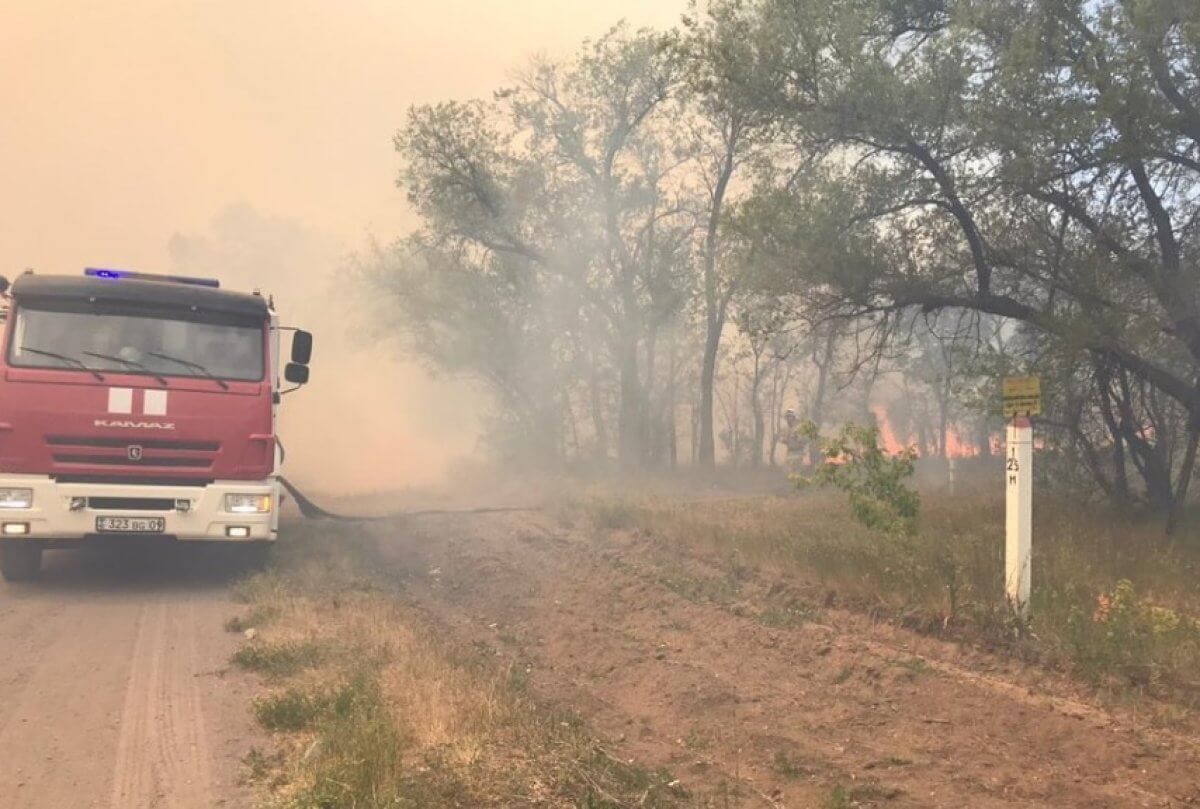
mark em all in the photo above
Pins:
pixel 135 404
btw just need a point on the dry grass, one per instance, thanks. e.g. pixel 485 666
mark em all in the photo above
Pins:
pixel 1113 602
pixel 372 710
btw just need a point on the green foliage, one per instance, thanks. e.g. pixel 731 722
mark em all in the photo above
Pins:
pixel 1123 635
pixel 855 463
pixel 279 659
pixel 552 244
pixel 951 156
pixel 293 709
pixel 360 755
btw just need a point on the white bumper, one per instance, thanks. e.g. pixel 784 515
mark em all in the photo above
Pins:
pixel 52 517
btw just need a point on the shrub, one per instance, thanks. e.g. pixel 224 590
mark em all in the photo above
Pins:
pixel 873 479
pixel 1126 636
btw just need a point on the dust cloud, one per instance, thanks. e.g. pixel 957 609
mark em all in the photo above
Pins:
pixel 253 142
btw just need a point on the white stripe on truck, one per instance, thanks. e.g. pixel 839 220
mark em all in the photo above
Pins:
pixel 155 403
pixel 120 400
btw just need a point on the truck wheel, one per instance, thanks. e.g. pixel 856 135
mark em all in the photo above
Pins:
pixel 20 561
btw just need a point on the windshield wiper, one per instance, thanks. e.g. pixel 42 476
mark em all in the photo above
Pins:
pixel 128 364
pixel 77 363
pixel 193 365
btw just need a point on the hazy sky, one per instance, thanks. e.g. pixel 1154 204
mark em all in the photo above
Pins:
pixel 123 122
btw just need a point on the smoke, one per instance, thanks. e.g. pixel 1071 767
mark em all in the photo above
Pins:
pixel 129 121
pixel 368 421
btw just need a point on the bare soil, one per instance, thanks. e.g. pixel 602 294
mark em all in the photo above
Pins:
pixel 679 666
pixel 117 692
pixel 115 689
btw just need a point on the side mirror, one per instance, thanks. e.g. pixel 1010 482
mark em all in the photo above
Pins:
pixel 302 343
pixel 296 373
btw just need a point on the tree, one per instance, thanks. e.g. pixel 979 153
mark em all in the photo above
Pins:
pixel 726 133
pixel 1032 160
pixel 560 204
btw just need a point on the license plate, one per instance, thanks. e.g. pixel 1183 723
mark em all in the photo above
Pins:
pixel 130 525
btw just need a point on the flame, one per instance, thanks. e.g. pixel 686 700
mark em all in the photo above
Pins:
pixel 956 447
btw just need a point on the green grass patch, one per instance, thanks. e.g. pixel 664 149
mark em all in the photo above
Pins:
pixel 280 659
pixel 357 758
pixel 292 709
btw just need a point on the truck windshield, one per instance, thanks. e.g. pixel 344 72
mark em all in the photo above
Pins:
pixel 161 345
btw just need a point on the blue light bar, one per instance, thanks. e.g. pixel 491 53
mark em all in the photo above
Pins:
pixel 116 275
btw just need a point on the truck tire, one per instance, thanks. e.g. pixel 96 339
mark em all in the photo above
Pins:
pixel 20 561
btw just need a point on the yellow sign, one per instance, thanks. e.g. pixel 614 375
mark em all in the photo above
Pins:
pixel 1022 396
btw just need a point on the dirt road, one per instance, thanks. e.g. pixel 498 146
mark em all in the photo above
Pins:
pixel 114 686
pixel 680 669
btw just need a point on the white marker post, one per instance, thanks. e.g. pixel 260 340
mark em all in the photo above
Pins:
pixel 1018 476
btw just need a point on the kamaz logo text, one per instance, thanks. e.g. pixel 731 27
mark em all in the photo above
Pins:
pixel 135 425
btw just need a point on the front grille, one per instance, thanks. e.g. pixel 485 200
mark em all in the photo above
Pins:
pixel 122 443
pixel 69 453
pixel 124 460
pixel 131 503
pixel 135 481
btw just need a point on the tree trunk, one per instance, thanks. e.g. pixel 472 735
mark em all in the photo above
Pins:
pixel 708 374
pixel 944 419
pixel 652 437
pixel 756 451
pixel 983 438
pixel 572 424
pixel 672 431
pixel 735 430
pixel 694 434
pixel 1185 478
pixel 1120 481
pixel 599 424
pixel 630 415
pixel 715 304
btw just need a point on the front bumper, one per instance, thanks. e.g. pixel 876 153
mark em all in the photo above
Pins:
pixel 52 518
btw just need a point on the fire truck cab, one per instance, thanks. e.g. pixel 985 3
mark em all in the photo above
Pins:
pixel 134 404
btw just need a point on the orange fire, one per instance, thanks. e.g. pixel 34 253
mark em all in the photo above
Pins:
pixel 956 447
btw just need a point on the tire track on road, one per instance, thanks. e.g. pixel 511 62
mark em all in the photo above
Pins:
pixel 163 753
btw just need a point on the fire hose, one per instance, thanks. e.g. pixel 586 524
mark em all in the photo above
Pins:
pixel 312 511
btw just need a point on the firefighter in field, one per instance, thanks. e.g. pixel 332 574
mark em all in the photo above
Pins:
pixel 792 439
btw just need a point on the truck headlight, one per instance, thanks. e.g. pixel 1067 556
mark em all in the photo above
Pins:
pixel 248 503
pixel 16 498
